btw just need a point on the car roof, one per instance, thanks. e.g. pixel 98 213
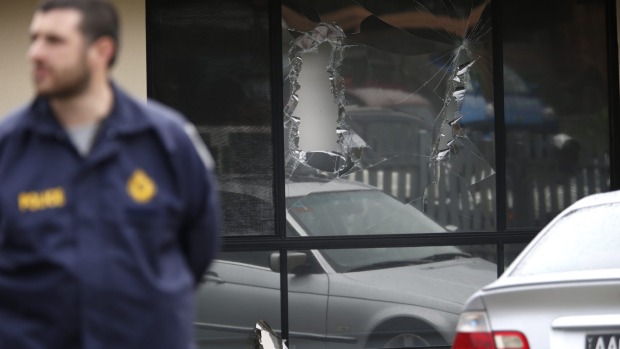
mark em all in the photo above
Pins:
pixel 507 279
pixel 297 189
pixel 596 199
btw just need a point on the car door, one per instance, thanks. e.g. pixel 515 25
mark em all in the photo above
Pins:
pixel 237 291
pixel 240 289
pixel 308 295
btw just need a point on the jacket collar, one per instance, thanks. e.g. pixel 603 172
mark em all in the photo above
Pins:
pixel 126 116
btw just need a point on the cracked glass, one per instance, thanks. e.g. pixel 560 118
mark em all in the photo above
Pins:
pixel 392 97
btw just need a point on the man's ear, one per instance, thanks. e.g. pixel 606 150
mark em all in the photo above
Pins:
pixel 103 49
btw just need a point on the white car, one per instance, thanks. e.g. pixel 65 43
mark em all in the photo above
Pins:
pixel 563 291
pixel 341 298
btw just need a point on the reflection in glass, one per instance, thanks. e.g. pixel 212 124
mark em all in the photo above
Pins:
pixel 555 82
pixel 383 297
pixel 335 296
pixel 511 252
pixel 239 289
pixel 210 60
pixel 384 94
pixel 351 208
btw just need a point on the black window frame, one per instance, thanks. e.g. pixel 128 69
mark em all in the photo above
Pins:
pixel 501 237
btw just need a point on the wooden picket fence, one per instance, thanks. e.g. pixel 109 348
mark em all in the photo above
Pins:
pixel 541 180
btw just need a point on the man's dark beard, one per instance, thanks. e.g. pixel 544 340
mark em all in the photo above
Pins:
pixel 69 91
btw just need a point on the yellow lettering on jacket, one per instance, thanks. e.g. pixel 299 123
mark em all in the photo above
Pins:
pixel 33 201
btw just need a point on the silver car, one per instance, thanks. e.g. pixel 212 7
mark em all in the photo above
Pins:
pixel 562 291
pixel 341 298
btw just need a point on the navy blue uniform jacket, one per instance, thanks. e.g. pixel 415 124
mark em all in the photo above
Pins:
pixel 102 251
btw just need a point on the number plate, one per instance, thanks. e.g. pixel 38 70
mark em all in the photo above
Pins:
pixel 603 341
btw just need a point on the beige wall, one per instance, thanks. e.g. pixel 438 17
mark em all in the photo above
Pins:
pixel 15 16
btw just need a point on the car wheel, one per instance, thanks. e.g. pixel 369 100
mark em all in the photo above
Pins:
pixel 406 340
pixel 407 334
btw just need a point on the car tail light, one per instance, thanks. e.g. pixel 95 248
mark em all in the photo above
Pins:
pixel 473 332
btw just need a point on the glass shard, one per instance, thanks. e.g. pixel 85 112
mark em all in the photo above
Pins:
pixel 266 338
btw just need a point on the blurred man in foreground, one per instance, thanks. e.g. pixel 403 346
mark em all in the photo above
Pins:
pixel 108 207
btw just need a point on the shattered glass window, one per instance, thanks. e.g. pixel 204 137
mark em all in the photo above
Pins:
pixel 211 61
pixel 396 96
pixel 556 114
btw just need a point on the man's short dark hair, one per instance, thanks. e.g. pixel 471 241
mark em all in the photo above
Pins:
pixel 99 18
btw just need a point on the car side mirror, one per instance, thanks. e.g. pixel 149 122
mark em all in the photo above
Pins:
pixel 294 260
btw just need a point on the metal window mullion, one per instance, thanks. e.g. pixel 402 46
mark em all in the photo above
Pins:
pixel 500 126
pixel 275 47
pixel 613 93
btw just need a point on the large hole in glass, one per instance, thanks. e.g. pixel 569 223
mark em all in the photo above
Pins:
pixel 396 96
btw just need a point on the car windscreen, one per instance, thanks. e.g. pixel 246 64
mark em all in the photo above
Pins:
pixel 586 239
pixel 358 212
pixel 362 212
